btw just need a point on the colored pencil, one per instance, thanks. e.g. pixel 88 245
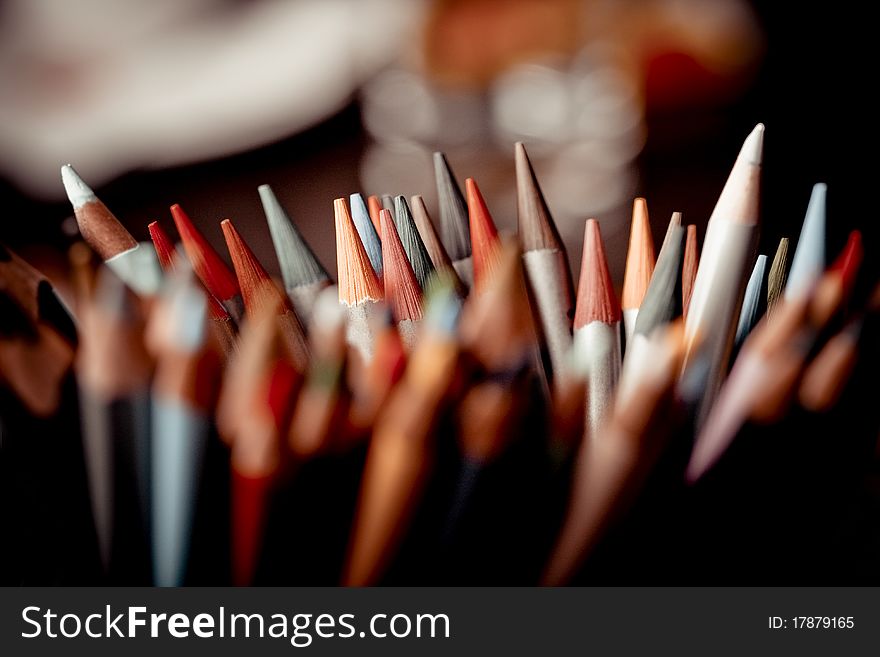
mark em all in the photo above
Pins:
pixel 453 219
pixel 546 264
pixel 639 266
pixel 303 274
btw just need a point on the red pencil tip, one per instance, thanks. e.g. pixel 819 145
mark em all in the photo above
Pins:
pixel 163 245
pixel 850 259
pixel 401 286
pixel 166 252
pixel 206 262
pixel 595 296
pixel 484 235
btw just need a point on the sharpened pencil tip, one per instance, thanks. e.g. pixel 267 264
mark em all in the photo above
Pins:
pixel 753 147
pixel 77 190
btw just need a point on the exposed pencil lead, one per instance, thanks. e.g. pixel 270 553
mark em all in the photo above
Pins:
pixel 738 200
pixel 374 205
pixel 639 265
pixel 298 263
pixel 402 289
pixel 753 303
pixel 484 235
pixel 168 256
pixel 207 263
pixel 689 268
pixel 809 255
pixel 257 287
pixel 662 302
pixel 439 257
pixel 674 221
pixel 77 190
pixel 428 233
pixel 164 247
pixel 453 211
pixel 412 242
pixel 356 279
pixel 97 224
pixel 367 232
pixel 850 259
pixel 536 227
pixel 595 295
pixel 753 147
pixel 778 275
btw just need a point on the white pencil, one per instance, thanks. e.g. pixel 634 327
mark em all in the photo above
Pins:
pixel 721 278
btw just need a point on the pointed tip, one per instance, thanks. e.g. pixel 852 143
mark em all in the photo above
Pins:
pixel 674 222
pixel 270 202
pixel 753 147
pixel 453 210
pixel 808 261
pixel 484 234
pixel 206 262
pixel 689 266
pixel 662 302
pixel 98 226
pixel 402 290
pixel 850 259
pixel 640 258
pixel 428 233
pixel 356 278
pixel 374 207
pixel 595 295
pixel 536 227
pixel 297 262
pixel 367 232
pixel 255 283
pixel 412 242
pixel 78 192
pixel 752 301
pixel 164 246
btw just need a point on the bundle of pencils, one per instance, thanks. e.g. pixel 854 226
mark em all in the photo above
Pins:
pixel 450 410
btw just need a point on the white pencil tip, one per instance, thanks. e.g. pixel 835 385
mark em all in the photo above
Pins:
pixel 753 147
pixel 77 191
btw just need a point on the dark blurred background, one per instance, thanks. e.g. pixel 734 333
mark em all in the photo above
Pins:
pixel 199 102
